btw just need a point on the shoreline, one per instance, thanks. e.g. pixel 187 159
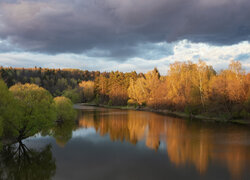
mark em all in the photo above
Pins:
pixel 172 114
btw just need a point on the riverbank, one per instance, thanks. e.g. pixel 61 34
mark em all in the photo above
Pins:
pixel 173 114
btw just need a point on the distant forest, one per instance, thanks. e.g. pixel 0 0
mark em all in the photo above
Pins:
pixel 54 80
pixel 193 88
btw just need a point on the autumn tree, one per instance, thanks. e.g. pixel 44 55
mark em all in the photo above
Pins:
pixel 191 87
pixel 179 84
pixel 101 88
pixel 144 89
pixel 158 98
pixel 154 88
pixel 236 84
pixel 229 90
pixel 137 91
pixel 117 90
pixel 201 74
pixel 247 101
pixel 88 88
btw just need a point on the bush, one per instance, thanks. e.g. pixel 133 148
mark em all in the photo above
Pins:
pixel 64 109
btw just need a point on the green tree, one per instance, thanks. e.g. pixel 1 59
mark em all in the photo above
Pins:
pixel 73 94
pixel 64 109
pixel 36 110
pixel 7 106
pixel 62 84
pixel 66 116
pixel 4 98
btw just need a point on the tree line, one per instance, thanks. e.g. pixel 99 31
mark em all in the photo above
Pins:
pixel 56 81
pixel 193 88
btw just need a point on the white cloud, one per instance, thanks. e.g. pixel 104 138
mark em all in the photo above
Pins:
pixel 217 56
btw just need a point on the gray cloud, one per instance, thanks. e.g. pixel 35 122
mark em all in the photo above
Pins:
pixel 117 29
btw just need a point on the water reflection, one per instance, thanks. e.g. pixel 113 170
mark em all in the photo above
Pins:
pixel 17 161
pixel 198 144
pixel 62 132
pixel 20 162
pixel 155 147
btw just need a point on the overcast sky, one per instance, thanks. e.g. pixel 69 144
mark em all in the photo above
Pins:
pixel 123 35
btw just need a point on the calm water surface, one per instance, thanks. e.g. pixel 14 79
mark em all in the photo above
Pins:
pixel 126 145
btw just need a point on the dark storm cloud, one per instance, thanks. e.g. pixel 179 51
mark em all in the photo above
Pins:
pixel 117 28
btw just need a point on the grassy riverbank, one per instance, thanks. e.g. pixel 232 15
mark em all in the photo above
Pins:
pixel 174 114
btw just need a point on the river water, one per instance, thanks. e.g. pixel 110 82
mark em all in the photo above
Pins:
pixel 127 145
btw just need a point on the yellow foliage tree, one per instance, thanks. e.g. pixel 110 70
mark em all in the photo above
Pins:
pixel 137 90
pixel 88 89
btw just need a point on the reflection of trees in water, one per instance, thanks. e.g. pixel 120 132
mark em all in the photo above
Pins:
pixel 20 162
pixel 191 143
pixel 131 126
pixel 188 145
pixel 137 126
pixel 62 132
pixel 202 145
pixel 156 127
pixel 235 156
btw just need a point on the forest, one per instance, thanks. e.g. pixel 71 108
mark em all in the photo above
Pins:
pixel 191 88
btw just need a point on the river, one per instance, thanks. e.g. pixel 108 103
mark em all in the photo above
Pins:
pixel 130 145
